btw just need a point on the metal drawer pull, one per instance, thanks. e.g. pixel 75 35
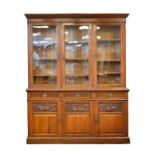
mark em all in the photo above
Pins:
pixel 44 94
pixel 110 95
pixel 78 95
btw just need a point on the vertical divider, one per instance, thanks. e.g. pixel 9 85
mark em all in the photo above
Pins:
pixel 123 54
pixel 30 55
pixel 60 118
pixel 90 56
pixel 58 56
pixel 96 116
pixel 94 56
pixel 62 57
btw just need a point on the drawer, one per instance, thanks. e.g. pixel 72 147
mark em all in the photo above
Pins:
pixel 77 94
pixel 43 94
pixel 112 95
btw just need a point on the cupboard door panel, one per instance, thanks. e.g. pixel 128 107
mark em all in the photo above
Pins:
pixel 44 118
pixel 110 118
pixel 77 118
pixel 110 123
pixel 77 124
pixel 45 124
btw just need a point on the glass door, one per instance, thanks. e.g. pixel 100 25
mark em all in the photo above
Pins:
pixel 108 54
pixel 76 52
pixel 44 54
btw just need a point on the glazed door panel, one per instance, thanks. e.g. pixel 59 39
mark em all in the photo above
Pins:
pixel 44 117
pixel 107 54
pixel 77 119
pixel 45 53
pixel 76 51
pixel 110 118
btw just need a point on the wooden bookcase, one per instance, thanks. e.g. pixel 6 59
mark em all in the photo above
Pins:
pixel 77 78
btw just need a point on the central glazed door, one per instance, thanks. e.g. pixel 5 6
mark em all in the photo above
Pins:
pixel 76 47
pixel 77 118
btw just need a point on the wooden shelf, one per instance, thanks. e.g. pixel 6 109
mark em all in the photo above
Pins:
pixel 40 45
pixel 108 73
pixel 109 60
pixel 45 59
pixel 78 42
pixel 108 40
pixel 76 59
pixel 76 75
pixel 45 75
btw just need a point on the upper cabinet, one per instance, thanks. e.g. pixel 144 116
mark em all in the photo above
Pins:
pixel 82 53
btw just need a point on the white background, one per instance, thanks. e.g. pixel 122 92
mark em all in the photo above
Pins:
pixel 140 74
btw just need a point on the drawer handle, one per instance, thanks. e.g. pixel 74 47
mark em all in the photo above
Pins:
pixel 44 94
pixel 78 95
pixel 110 95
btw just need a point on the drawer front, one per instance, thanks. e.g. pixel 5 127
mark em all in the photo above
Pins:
pixel 112 95
pixel 43 95
pixel 77 94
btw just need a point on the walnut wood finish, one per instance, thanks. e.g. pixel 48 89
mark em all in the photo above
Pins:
pixel 93 113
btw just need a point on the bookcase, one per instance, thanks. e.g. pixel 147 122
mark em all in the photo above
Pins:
pixel 77 78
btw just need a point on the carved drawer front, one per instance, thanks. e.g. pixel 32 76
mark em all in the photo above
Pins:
pixel 112 95
pixel 77 119
pixel 43 95
pixel 78 94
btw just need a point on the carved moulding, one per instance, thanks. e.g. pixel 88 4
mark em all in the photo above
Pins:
pixel 77 107
pixel 38 107
pixel 103 107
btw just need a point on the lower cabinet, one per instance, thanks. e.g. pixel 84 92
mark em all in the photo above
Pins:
pixel 71 118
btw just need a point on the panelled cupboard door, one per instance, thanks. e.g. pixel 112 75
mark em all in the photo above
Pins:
pixel 45 51
pixel 77 118
pixel 44 118
pixel 76 53
pixel 111 117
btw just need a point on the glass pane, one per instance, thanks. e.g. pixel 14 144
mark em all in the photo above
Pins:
pixel 44 55
pixel 76 54
pixel 108 54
